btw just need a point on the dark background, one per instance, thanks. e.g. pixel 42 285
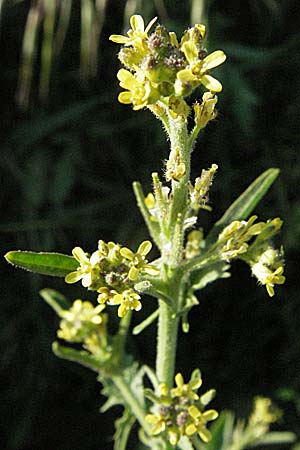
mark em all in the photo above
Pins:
pixel 67 163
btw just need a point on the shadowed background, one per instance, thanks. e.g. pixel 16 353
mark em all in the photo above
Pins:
pixel 69 153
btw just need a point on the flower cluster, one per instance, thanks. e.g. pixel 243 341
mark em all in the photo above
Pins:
pixel 84 323
pixel 180 411
pixel 112 271
pixel 251 242
pixel 263 415
pixel 161 70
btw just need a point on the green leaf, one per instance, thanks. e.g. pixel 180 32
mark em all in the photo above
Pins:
pixel 81 357
pixel 54 264
pixel 242 207
pixel 55 299
pixel 123 426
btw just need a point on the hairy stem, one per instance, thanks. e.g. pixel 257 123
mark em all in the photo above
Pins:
pixel 167 322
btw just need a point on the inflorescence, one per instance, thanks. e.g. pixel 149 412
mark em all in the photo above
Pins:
pixel 162 71
pixel 112 271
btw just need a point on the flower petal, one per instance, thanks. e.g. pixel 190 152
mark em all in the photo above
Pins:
pixel 137 23
pixel 125 97
pixel 209 415
pixel 150 24
pixel 133 273
pixel 127 253
pixel 118 38
pixel 211 83
pixel 80 255
pixel 73 277
pixel 213 60
pixel 190 51
pixel 144 248
pixel 205 434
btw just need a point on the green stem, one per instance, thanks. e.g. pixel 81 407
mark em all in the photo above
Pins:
pixel 166 344
pixel 179 140
pixel 168 322
pixel 131 400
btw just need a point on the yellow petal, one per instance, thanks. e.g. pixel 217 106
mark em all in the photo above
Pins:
pixel 73 277
pixel 125 97
pixel 209 415
pixel 144 248
pixel 205 434
pixel 211 83
pixel 133 273
pixel 185 76
pixel 150 24
pixel 80 255
pixel 194 412
pixel 137 23
pixel 190 51
pixel 127 253
pixel 190 429
pixel 213 60
pixel 118 38
pixel 179 380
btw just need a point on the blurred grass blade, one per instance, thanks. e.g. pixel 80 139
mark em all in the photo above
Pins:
pixel 100 8
pixel 47 47
pixel 54 264
pixel 55 299
pixel 198 11
pixel 29 50
pixel 242 207
pixel 63 21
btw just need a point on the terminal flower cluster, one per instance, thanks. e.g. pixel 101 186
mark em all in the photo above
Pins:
pixel 161 71
pixel 112 271
pixel 180 411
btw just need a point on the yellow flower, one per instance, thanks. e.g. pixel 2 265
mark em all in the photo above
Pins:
pixel 264 412
pixel 79 322
pixel 140 91
pixel 178 411
pixel 85 272
pixel 199 422
pixel 267 277
pixel 137 35
pixel 128 300
pixel 197 71
pixel 138 262
pixel 187 390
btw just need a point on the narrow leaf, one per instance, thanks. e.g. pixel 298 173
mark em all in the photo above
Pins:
pixel 81 357
pixel 54 264
pixel 242 207
pixel 55 299
pixel 141 326
pixel 275 437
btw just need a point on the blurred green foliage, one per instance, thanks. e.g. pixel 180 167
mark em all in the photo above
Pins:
pixel 69 153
